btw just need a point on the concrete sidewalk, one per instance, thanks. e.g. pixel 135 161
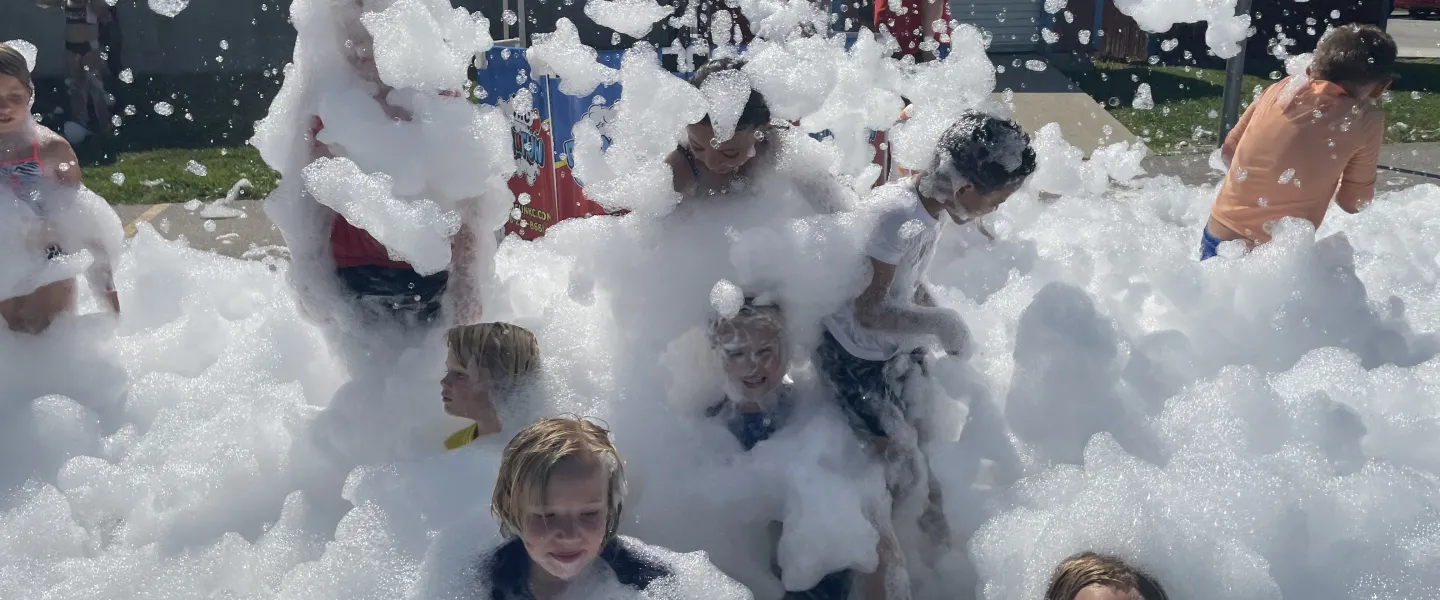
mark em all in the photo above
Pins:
pixel 1415 38
pixel 1048 96
pixel 254 236
pixel 252 233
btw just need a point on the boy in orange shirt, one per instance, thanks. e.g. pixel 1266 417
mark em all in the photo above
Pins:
pixel 1306 140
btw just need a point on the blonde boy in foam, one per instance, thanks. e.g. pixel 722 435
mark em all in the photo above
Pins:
pixel 559 499
pixel 487 363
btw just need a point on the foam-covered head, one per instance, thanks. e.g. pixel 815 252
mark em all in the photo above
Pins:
pixel 16 89
pixel 560 489
pixel 1358 57
pixel 486 360
pixel 1091 576
pixel 752 349
pixel 981 160
pixel 737 117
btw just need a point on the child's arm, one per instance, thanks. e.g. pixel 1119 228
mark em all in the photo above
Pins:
pixel 874 311
pixel 1357 184
pixel 891 580
pixel 54 150
pixel 461 288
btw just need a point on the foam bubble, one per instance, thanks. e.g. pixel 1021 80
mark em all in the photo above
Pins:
pixel 630 17
pixel 26 49
pixel 168 8
pixel 561 54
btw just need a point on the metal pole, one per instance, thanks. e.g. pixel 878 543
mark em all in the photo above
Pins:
pixel 1234 80
pixel 524 39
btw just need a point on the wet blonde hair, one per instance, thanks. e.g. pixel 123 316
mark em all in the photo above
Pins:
pixel 532 457
pixel 1088 568
pixel 13 63
pixel 506 351
pixel 750 312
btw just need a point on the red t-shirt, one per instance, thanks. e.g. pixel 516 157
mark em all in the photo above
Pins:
pixel 351 245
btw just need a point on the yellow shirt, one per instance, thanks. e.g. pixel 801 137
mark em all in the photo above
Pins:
pixel 462 437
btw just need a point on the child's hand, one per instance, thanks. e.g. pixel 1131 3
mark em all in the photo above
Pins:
pixel 955 337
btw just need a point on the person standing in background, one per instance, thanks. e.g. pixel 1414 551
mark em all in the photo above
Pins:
pixel 111 39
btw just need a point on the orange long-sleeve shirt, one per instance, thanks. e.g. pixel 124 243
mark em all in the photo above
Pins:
pixel 1301 143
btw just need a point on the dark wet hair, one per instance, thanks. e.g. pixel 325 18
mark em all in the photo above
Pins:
pixel 1354 53
pixel 988 152
pixel 13 63
pixel 756 112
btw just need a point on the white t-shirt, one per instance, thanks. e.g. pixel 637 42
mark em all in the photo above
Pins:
pixel 905 236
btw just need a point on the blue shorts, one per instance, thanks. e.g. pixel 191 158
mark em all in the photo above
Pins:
pixel 1209 244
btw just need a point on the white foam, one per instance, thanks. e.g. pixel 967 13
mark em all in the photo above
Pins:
pixel 1224 29
pixel 1253 426
pixel 168 8
pixel 630 17
pixel 561 54
pixel 26 49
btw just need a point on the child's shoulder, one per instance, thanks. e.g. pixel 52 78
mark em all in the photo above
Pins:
pixel 49 142
pixel 895 202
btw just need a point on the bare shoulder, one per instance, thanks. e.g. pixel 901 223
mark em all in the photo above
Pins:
pixel 52 144
pixel 57 155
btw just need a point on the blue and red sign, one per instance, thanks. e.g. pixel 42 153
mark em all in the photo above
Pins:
pixel 542 122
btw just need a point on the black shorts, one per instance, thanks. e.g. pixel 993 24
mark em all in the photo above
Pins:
pixel 400 291
pixel 868 396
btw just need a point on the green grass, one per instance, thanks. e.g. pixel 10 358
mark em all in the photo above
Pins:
pixel 1186 116
pixel 213 118
pixel 161 176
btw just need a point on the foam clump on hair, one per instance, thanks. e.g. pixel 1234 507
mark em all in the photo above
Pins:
pixel 27 50
pixel 727 93
pixel 561 54
pixel 634 18
pixel 726 298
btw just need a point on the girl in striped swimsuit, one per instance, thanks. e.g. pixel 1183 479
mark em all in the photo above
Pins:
pixel 31 159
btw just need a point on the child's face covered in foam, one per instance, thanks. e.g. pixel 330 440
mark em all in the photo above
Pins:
pixel 727 156
pixel 968 204
pixel 753 354
pixel 563 534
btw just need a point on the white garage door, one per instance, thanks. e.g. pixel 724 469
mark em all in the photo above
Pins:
pixel 1014 25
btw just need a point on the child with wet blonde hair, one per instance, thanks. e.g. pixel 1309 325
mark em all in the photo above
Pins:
pixel 558 499
pixel 486 361
pixel 1091 576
